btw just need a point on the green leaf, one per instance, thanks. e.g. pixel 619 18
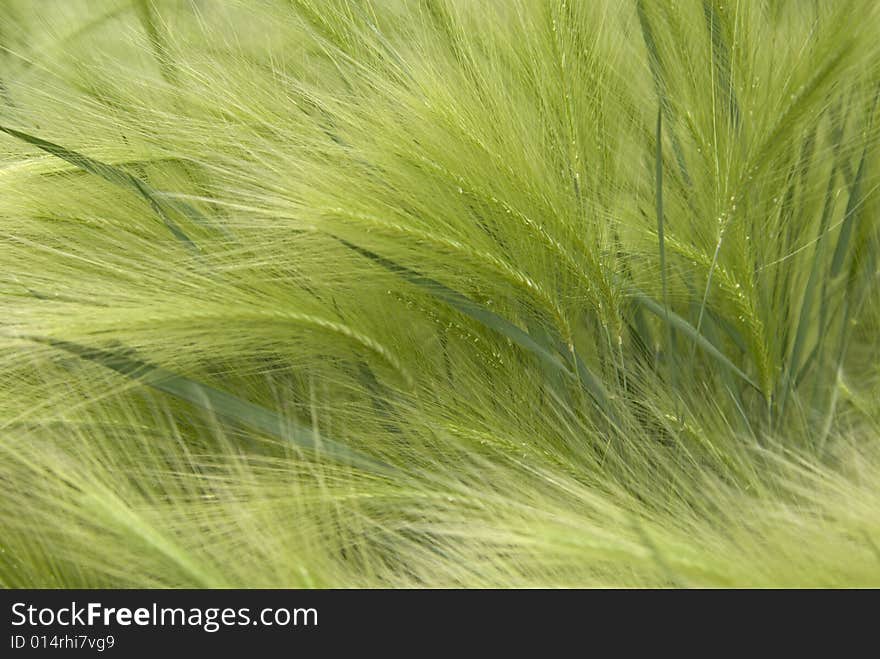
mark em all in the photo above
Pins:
pixel 804 318
pixel 158 43
pixel 497 324
pixel 219 402
pixel 853 205
pixel 721 58
pixel 118 177
pixel 658 162
pixel 690 331
pixel 656 65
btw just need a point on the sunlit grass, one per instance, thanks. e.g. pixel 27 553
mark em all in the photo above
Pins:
pixel 439 293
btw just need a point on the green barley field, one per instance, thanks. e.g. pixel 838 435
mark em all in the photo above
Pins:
pixel 439 293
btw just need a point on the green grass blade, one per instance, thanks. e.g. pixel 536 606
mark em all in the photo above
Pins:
pixel 653 53
pixel 799 106
pixel 729 329
pixel 661 239
pixel 466 306
pixel 219 402
pixel 118 177
pixel 496 323
pixel 840 251
pixel 721 58
pixel 853 204
pixel 656 66
pixel 806 311
pixel 145 11
pixel 852 207
pixel 690 331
